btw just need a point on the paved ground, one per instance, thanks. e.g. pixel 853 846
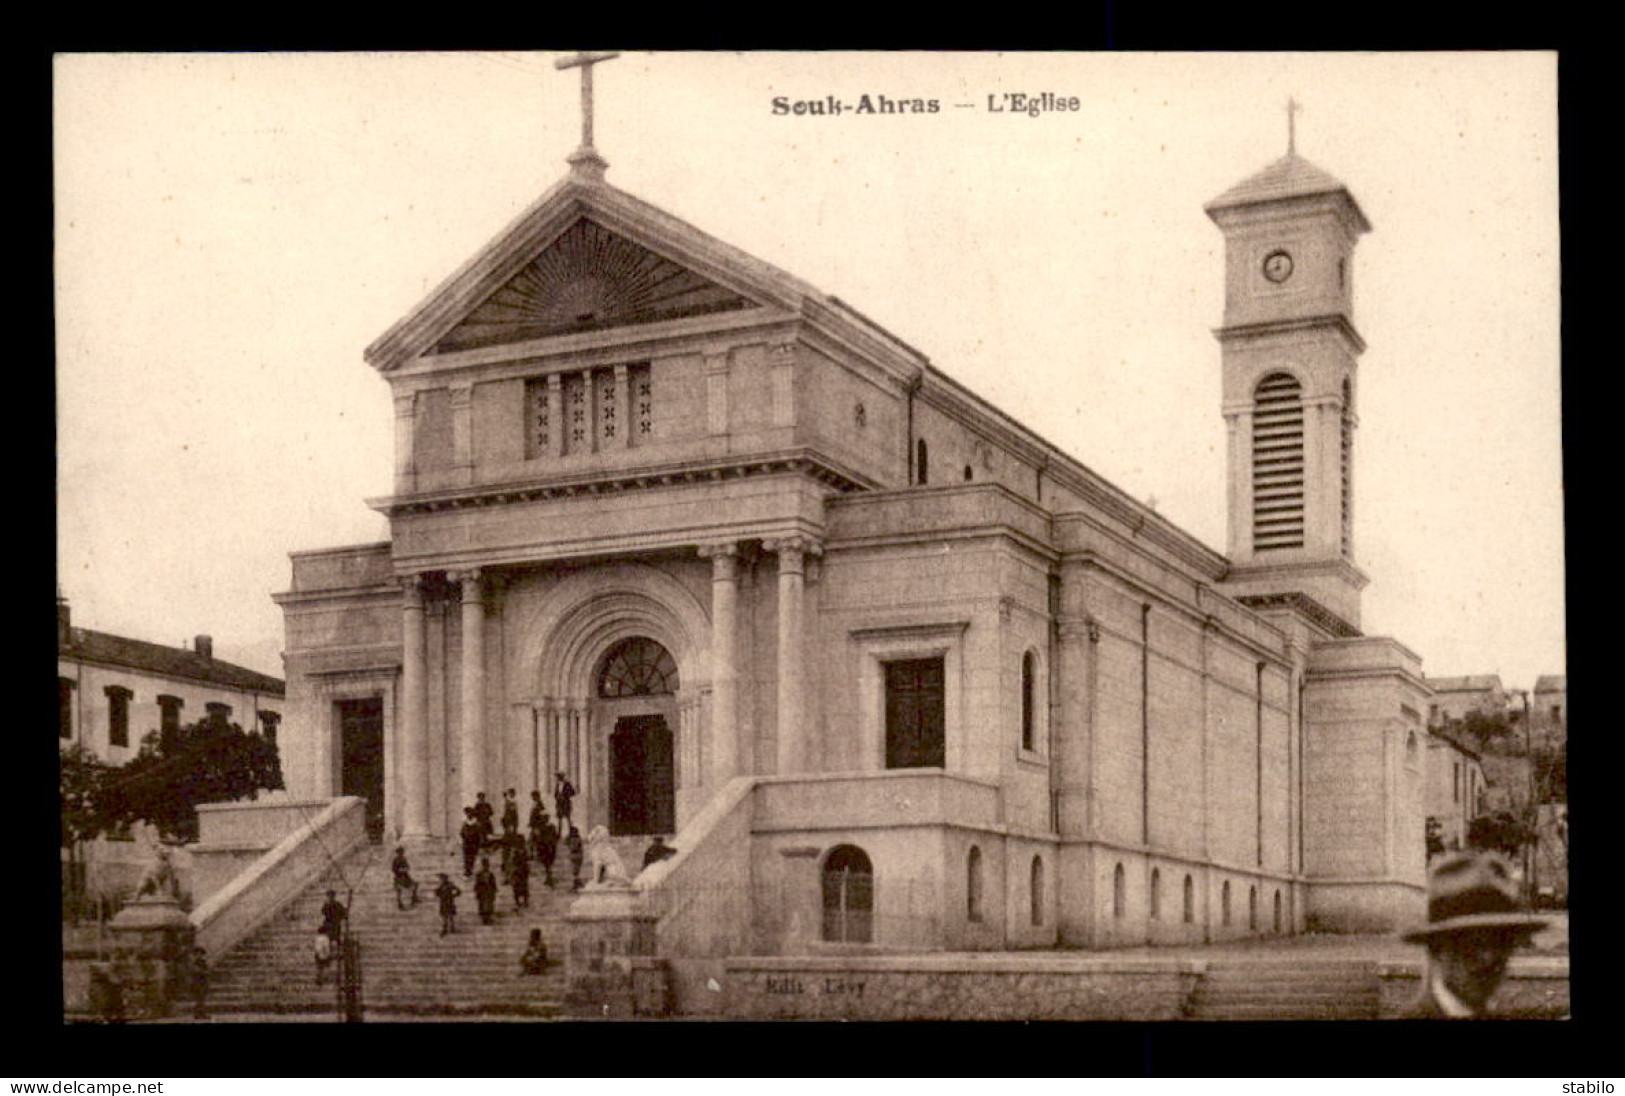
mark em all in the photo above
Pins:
pixel 1551 944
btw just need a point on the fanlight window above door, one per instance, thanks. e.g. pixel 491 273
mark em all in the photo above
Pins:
pixel 637 667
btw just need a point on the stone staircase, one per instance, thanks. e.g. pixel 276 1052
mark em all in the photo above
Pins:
pixel 1279 989
pixel 407 967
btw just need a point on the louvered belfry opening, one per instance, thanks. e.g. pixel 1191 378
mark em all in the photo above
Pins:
pixel 1278 463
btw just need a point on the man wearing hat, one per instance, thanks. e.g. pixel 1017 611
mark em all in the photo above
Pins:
pixel 1474 923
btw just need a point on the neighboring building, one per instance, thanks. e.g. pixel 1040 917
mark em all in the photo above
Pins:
pixel 112 691
pixel 665 516
pixel 1455 786
pixel 1454 697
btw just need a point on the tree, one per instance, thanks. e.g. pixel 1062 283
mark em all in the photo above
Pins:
pixel 80 776
pixel 1487 732
pixel 210 761
pixel 1503 832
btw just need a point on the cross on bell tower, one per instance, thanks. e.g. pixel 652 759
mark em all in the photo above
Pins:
pixel 1292 108
pixel 585 160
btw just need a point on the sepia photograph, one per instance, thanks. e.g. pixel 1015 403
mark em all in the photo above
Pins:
pixel 548 536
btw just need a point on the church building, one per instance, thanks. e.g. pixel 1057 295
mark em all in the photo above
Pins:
pixel 761 578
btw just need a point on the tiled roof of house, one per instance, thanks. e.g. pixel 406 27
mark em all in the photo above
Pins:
pixel 137 654
pixel 1472 683
pixel 1552 683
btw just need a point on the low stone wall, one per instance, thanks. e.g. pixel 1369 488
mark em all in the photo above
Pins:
pixel 958 987
pixel 231 836
pixel 254 896
pixel 1536 988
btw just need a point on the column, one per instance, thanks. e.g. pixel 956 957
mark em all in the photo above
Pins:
pixel 792 553
pixel 405 426
pixel 724 663
pixel 414 752
pixel 555 415
pixel 527 743
pixel 577 767
pixel 550 747
pixel 623 401
pixel 716 391
pixel 471 743
pixel 462 425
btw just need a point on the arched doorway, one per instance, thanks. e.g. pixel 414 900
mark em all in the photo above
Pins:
pixel 636 682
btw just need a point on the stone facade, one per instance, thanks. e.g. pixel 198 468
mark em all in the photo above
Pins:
pixel 897 672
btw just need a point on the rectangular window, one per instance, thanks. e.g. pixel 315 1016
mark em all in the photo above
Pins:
pixel 218 710
pixel 169 714
pixel 269 721
pixel 64 705
pixel 118 715
pixel 915 714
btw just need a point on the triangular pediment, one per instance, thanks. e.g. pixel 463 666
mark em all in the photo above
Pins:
pixel 587 279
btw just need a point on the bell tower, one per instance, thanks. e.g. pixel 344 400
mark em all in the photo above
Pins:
pixel 1289 349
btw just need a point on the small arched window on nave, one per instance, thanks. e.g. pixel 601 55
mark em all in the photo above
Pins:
pixel 849 895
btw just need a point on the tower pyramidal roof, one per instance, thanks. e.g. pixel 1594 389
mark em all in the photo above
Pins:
pixel 1289 177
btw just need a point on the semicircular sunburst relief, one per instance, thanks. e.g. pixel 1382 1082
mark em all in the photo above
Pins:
pixel 588 278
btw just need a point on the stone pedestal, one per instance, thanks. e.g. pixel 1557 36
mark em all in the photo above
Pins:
pixel 152 938
pixel 610 932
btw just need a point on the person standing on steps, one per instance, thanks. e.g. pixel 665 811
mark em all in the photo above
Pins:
pixel 471 840
pixel 406 888
pixel 519 878
pixel 578 856
pixel 485 891
pixel 483 813
pixel 447 892
pixel 329 935
pixel 564 793
pixel 538 815
pixel 510 813
pixel 547 846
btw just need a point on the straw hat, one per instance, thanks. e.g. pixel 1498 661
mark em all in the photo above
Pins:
pixel 1473 890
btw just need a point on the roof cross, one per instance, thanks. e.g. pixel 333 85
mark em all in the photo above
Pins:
pixel 585 60
pixel 1292 108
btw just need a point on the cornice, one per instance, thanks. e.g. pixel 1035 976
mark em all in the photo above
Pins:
pixel 1305 606
pixel 802 461
pixel 386 589
pixel 1198 615
pixel 1254 332
pixel 584 349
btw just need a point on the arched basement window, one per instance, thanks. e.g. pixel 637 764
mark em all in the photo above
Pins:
pixel 637 667
pixel 1224 902
pixel 1036 890
pixel 1029 676
pixel 970 473
pixel 921 463
pixel 1278 463
pixel 1119 899
pixel 1156 893
pixel 849 895
pixel 973 884
pixel 1190 900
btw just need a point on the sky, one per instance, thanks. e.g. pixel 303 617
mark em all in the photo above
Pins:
pixel 231 231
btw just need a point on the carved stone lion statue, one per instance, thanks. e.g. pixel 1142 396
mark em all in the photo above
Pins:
pixel 606 870
pixel 159 880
